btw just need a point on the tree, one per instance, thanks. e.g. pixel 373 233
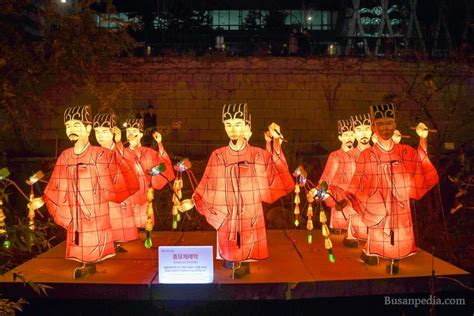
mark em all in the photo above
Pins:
pixel 275 19
pixel 37 75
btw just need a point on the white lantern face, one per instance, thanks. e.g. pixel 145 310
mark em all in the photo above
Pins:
pixel 134 136
pixel 104 136
pixel 236 129
pixel 76 130
pixel 363 133
pixel 347 139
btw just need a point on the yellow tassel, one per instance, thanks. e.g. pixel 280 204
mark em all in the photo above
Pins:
pixel 297 189
pixel 310 195
pixel 3 227
pixel 150 195
pixel 322 217
pixel 327 243
pixel 309 212
pixel 149 210
pixel 297 209
pixel 325 230
pixel 174 210
pixel 297 199
pixel 149 225
pixel 179 194
pixel 175 199
pixel 309 224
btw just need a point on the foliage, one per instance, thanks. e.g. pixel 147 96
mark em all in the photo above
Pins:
pixel 251 21
pixel 48 65
pixel 25 243
pixel 275 19
pixel 8 307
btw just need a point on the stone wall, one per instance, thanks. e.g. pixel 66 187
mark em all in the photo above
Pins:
pixel 304 96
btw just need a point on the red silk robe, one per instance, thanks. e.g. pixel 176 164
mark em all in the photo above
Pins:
pixel 145 158
pixel 77 197
pixel 356 228
pixel 230 196
pixel 337 172
pixel 122 218
pixel 380 191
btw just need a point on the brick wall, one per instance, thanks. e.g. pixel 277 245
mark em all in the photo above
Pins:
pixel 304 96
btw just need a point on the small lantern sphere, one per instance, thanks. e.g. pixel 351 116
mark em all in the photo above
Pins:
pixel 7 244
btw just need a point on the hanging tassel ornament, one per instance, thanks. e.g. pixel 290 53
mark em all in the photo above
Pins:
pixel 297 204
pixel 31 212
pixel 177 196
pixel 149 214
pixel 325 233
pixel 309 223
pixel 3 228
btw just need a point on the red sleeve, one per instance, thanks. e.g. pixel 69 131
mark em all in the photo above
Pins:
pixel 117 177
pixel 423 174
pixel 55 194
pixel 274 179
pixel 209 197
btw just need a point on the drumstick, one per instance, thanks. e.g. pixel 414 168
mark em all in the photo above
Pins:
pixel 426 129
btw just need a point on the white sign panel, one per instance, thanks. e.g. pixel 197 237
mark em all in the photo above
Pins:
pixel 185 264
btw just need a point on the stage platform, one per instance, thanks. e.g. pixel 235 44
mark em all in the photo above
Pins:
pixel 295 270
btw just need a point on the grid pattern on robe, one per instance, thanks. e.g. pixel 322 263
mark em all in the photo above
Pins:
pixel 380 190
pixel 122 219
pixel 230 196
pixel 77 197
pixel 357 229
pixel 145 159
pixel 337 172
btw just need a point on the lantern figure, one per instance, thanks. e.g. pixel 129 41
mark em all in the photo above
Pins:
pixel 237 179
pixel 85 179
pixel 122 219
pixel 154 169
pixel 386 176
pixel 337 169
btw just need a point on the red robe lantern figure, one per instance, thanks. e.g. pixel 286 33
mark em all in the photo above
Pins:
pixel 237 179
pixel 121 214
pixel 145 159
pixel 85 179
pixel 338 170
pixel 362 127
pixel 386 177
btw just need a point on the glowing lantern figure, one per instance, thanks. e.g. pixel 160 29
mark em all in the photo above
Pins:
pixel 357 230
pixel 122 220
pixel 338 169
pixel 237 179
pixel 85 179
pixel 386 177
pixel 154 171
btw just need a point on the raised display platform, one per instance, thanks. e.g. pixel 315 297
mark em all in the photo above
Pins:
pixel 295 270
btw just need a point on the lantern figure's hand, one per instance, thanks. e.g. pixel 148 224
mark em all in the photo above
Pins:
pixel 157 137
pixel 422 130
pixel 117 134
pixel 275 132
